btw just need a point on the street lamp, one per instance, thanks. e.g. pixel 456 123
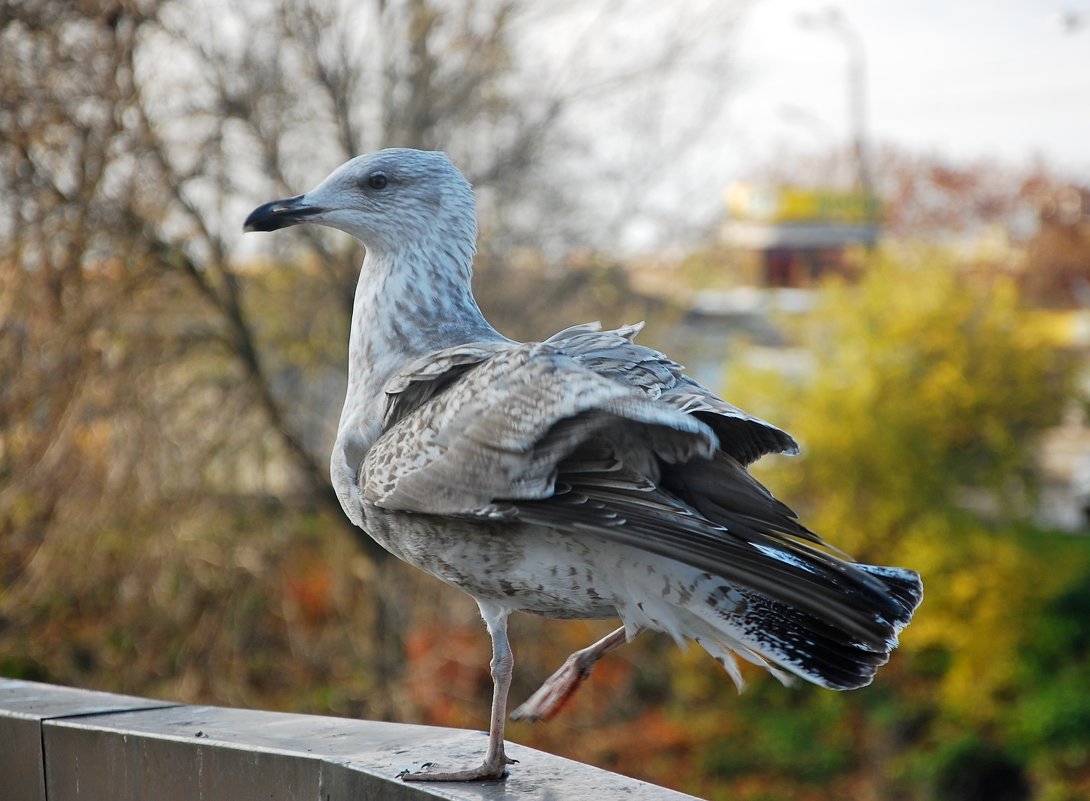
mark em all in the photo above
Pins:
pixel 834 21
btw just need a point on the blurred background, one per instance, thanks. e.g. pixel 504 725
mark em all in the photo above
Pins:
pixel 868 223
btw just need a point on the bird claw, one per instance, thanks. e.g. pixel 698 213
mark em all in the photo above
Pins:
pixel 490 770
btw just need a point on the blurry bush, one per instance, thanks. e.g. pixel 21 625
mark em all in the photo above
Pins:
pixel 920 416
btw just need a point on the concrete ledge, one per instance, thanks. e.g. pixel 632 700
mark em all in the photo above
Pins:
pixel 64 744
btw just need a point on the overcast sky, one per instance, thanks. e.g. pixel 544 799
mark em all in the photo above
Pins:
pixel 966 78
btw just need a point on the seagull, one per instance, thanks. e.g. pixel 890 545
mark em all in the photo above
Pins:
pixel 582 476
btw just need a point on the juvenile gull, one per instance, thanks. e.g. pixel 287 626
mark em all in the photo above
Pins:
pixel 584 476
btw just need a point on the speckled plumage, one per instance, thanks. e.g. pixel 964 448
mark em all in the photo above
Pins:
pixel 582 476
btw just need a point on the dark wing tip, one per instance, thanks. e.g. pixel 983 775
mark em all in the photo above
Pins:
pixel 747 439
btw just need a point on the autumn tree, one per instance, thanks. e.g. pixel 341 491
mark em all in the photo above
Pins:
pixel 927 387
pixel 167 396
pixel 926 390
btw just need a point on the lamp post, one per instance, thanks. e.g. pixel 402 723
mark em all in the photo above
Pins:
pixel 834 21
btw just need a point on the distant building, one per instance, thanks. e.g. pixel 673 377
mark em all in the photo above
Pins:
pixel 794 237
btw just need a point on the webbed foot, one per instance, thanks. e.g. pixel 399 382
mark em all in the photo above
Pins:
pixel 493 769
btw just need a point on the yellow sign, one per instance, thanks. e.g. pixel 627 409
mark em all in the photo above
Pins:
pixel 791 204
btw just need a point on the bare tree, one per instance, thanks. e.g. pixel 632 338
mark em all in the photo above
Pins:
pixel 148 362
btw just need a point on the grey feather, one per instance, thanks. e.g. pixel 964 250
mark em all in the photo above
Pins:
pixel 616 355
pixel 500 430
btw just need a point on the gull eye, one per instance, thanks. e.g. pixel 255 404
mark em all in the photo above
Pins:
pixel 377 180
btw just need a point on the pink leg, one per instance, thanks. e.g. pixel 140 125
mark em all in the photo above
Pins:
pixel 503 663
pixel 560 686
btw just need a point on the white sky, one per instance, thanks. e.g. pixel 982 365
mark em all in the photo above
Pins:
pixel 963 78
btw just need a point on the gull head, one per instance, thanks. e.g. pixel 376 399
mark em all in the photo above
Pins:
pixel 390 200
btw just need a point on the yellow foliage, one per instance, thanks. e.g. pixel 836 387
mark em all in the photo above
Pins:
pixel 925 386
pixel 919 424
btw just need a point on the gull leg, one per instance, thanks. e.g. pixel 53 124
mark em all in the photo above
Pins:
pixel 560 686
pixel 503 663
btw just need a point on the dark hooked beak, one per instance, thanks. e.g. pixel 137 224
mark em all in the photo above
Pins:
pixel 279 214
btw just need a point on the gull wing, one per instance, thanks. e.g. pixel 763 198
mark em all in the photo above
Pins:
pixel 614 354
pixel 546 434
pixel 499 426
pixel 426 377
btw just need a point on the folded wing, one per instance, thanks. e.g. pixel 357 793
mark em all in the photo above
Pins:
pixel 588 432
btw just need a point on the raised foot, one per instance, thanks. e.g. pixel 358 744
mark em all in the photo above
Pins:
pixel 556 690
pixel 490 770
